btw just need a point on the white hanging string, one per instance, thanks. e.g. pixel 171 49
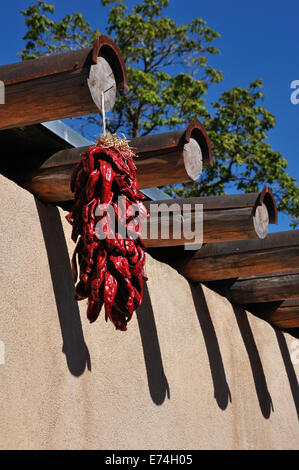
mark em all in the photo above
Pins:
pixel 103 114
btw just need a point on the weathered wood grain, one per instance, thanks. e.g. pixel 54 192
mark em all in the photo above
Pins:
pixel 282 314
pixel 268 288
pixel 221 220
pixel 58 86
pixel 277 252
pixel 168 158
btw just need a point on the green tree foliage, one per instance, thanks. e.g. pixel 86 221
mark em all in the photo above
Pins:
pixel 158 53
pixel 46 36
pixel 169 75
pixel 242 157
pixel 155 50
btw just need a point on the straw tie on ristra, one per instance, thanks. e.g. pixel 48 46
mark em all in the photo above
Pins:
pixel 107 218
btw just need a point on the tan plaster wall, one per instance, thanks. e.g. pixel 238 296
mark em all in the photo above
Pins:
pixel 190 373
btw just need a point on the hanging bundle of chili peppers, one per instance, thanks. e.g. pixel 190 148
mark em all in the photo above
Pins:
pixel 107 220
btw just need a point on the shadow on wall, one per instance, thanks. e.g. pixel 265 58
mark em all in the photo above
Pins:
pixel 289 368
pixel 74 346
pixel 264 397
pixel 221 389
pixel 157 381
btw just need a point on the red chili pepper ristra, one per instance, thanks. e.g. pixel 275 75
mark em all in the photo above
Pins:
pixel 109 253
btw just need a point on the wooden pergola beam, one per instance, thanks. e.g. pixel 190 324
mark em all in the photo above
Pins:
pixel 282 314
pixel 216 261
pixel 264 288
pixel 63 85
pixel 225 218
pixel 171 157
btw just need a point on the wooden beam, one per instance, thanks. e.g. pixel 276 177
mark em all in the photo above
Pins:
pixel 264 288
pixel 277 252
pixel 282 314
pixel 225 218
pixel 62 85
pixel 172 157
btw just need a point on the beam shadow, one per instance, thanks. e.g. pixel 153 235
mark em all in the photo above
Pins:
pixel 222 392
pixel 74 346
pixel 289 368
pixel 261 387
pixel 157 381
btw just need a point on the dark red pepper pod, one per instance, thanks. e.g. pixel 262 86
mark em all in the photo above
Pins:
pixel 107 217
pixel 93 309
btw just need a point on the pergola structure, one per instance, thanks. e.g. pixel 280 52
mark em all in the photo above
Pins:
pixel 237 259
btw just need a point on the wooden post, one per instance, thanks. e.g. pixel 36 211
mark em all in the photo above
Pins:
pixel 62 85
pixel 216 261
pixel 225 218
pixel 172 157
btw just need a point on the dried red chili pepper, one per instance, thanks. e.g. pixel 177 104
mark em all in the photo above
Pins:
pixel 91 183
pixel 121 265
pixel 110 261
pixel 107 180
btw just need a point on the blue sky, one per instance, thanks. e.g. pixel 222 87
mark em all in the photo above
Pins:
pixel 259 39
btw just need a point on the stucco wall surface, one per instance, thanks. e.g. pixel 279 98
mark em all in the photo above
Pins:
pixel 191 372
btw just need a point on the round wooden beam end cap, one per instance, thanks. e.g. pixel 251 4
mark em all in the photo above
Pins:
pixel 193 160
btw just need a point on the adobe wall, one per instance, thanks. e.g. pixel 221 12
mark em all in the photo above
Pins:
pixel 191 372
